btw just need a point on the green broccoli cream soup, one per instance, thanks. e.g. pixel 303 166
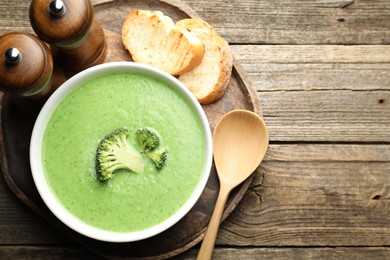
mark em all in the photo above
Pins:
pixel 128 201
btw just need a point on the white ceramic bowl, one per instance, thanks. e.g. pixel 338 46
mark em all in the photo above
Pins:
pixel 36 152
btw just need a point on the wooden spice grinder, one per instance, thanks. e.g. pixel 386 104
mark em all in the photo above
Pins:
pixel 27 73
pixel 76 38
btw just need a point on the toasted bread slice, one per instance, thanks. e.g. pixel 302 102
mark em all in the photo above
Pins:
pixel 152 38
pixel 209 80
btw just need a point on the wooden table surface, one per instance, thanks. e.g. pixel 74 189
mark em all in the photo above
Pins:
pixel 322 72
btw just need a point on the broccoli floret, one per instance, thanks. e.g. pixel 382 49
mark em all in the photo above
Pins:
pixel 114 152
pixel 158 156
pixel 149 142
pixel 148 139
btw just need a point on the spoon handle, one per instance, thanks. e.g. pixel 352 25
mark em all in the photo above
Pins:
pixel 206 249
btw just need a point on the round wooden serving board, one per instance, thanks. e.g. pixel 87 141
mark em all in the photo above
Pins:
pixel 16 129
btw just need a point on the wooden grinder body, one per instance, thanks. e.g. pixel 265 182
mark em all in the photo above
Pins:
pixel 31 78
pixel 76 38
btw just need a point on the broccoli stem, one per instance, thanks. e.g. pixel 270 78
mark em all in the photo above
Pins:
pixel 114 152
pixel 126 157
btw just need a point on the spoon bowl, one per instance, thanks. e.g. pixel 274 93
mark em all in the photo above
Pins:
pixel 240 142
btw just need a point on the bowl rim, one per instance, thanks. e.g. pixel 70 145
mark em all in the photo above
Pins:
pixel 42 120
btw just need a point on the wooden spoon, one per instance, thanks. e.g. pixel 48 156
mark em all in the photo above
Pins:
pixel 240 142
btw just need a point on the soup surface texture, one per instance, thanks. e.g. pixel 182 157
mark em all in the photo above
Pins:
pixel 129 201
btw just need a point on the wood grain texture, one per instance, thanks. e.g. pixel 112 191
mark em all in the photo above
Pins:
pixel 47 252
pixel 328 116
pixel 312 199
pixel 316 67
pixel 76 252
pixel 345 253
pixel 271 22
pixel 298 21
pixel 322 93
